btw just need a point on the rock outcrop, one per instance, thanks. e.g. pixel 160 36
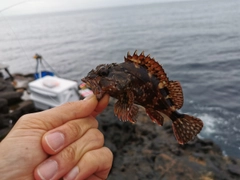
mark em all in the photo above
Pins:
pixel 147 151
pixel 12 107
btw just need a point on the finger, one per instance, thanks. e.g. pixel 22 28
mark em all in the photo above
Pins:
pixel 59 115
pixel 94 165
pixel 55 140
pixel 102 104
pixel 58 165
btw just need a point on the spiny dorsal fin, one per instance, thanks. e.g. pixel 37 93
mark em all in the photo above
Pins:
pixel 149 63
pixel 175 93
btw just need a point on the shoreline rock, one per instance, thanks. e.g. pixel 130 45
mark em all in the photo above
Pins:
pixel 12 106
pixel 147 151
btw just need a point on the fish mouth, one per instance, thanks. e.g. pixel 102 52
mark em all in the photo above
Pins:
pixel 94 86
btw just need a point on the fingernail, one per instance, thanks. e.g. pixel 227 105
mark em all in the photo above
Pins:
pixel 55 140
pixel 88 97
pixel 72 174
pixel 48 169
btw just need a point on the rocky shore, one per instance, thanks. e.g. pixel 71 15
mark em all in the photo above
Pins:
pixel 12 103
pixel 147 151
pixel 141 151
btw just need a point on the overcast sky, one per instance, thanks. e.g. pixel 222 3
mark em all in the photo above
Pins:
pixel 42 6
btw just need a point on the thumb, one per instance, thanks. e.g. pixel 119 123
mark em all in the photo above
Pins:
pixel 58 116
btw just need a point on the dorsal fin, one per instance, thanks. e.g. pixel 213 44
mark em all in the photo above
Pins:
pixel 175 93
pixel 150 64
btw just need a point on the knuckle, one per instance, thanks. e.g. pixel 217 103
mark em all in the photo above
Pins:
pixel 92 157
pixel 69 153
pixel 26 117
pixel 101 156
pixel 74 128
pixel 94 122
pixel 22 119
pixel 32 121
pixel 108 153
pixel 95 135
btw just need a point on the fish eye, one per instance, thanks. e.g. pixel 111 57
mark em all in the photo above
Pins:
pixel 103 71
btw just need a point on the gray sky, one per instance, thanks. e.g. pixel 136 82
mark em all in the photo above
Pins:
pixel 42 6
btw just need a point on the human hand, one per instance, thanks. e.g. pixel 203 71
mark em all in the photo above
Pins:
pixel 60 142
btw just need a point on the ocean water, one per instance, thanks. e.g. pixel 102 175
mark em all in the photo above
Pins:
pixel 197 42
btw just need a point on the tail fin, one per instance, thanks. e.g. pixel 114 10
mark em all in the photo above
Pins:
pixel 186 128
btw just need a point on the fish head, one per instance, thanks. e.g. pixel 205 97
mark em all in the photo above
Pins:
pixel 106 78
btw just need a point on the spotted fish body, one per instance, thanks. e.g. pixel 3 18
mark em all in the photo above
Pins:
pixel 141 80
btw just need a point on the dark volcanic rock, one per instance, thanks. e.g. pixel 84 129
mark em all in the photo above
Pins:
pixel 4 132
pixel 21 108
pixel 234 169
pixel 4 121
pixel 147 151
pixel 26 107
pixel 5 85
pixel 3 106
pixel 12 107
pixel 11 96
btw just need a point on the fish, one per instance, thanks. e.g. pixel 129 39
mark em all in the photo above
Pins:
pixel 141 81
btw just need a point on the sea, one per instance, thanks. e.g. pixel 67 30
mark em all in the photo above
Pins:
pixel 197 43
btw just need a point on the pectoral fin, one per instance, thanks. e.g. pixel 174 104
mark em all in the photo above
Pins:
pixel 126 112
pixel 125 109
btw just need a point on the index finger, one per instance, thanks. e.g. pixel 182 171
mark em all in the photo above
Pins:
pixel 102 104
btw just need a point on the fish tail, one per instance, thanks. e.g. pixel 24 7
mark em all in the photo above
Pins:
pixel 186 128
